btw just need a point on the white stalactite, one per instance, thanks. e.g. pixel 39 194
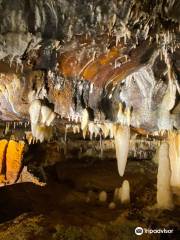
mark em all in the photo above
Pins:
pixel 34 111
pixel 50 119
pixel 45 114
pixel 122 140
pixel 41 118
pixel 84 122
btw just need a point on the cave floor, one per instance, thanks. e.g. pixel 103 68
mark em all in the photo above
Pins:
pixel 67 208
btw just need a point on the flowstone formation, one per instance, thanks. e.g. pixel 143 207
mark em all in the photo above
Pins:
pixel 90 80
pixel 10 161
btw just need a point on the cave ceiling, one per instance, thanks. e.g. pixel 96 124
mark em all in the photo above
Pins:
pixel 94 55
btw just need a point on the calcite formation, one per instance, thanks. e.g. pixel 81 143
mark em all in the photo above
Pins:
pixel 41 118
pixel 122 138
pixel 174 155
pixel 164 192
pixel 125 192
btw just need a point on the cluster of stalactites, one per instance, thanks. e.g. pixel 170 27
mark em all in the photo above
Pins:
pixel 41 117
pixel 124 117
pixel 121 134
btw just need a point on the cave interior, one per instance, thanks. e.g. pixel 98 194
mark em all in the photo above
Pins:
pixel 89 147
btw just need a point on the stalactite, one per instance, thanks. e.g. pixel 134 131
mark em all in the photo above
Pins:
pixel 7 128
pixel 41 118
pixel 122 139
pixel 84 122
pixel 29 137
pixel 124 117
pixel 45 114
pixel 34 111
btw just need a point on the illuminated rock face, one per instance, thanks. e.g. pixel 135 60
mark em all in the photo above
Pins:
pixel 14 157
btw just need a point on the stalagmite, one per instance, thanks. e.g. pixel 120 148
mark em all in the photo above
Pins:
pixel 174 155
pixel 14 157
pixel 103 196
pixel 164 194
pixel 119 194
pixel 122 139
pixel 125 192
pixel 112 205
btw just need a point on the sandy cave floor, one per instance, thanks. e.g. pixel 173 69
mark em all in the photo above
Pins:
pixel 60 210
